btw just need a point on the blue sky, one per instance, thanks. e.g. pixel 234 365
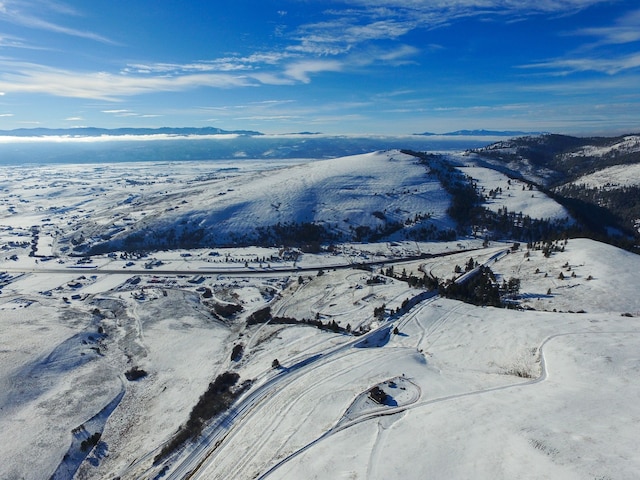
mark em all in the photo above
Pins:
pixel 358 66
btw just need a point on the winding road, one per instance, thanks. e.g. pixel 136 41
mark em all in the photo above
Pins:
pixel 204 450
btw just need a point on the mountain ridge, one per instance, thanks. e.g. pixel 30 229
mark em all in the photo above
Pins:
pixel 100 131
pixel 482 133
pixel 96 131
pixel 559 164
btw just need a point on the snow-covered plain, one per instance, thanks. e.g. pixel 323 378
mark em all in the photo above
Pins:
pixel 482 392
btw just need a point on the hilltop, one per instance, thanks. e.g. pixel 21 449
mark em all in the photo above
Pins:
pixel 583 174
pixel 383 196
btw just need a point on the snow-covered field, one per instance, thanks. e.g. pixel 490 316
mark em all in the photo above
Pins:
pixel 472 392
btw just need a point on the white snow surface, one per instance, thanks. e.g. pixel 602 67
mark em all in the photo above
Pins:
pixel 515 195
pixel 341 191
pixel 549 392
pixel 230 200
pixel 610 178
pixel 628 144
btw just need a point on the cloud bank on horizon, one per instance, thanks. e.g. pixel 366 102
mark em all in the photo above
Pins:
pixel 351 66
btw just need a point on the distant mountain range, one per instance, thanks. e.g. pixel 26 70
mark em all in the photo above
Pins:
pixel 482 133
pixel 96 132
pixel 185 131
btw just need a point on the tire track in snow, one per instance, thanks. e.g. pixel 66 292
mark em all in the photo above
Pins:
pixel 392 411
pixel 258 410
pixel 384 425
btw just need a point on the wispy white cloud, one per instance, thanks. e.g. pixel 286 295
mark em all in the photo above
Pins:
pixel 301 70
pixel 395 93
pixel 615 85
pixel 267 117
pixel 21 12
pixel 11 41
pixel 471 6
pixel 347 31
pixel 364 21
pixel 274 78
pixel 224 64
pixel 22 77
pixel 270 103
pixel 610 66
pixel 625 30
pixel 288 112
pixel 595 58
pixel 399 55
pixel 129 113
pixel 32 78
pixel 485 108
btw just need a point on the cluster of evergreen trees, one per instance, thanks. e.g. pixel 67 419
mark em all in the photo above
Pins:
pixel 218 398
pixel 480 289
pixel 465 199
pixel 90 442
pixel 605 206
pixel 423 281
pixel 264 315
pixel 467 210
pixel 516 226
pixel 307 235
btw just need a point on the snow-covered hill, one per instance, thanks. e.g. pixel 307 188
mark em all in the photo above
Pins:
pixel 348 198
pixel 555 159
pixel 623 146
pixel 612 177
pixel 593 177
pixel 514 195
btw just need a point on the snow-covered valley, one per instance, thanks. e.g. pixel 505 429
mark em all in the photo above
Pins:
pixel 350 371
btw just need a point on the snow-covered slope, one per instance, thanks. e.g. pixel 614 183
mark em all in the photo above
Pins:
pixel 594 177
pixel 623 146
pixel 576 421
pixel 612 177
pixel 555 159
pixel 372 190
pixel 514 195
